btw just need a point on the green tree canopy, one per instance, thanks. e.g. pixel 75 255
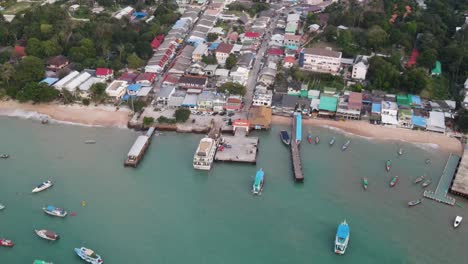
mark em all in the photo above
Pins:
pixel 212 37
pixel 376 38
pixel 231 61
pixel 210 59
pixel 233 88
pixel 181 115
pixel 98 92
pixel 134 62
pixel 462 120
pixel 30 69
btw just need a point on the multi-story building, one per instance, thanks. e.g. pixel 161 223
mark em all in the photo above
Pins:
pixel 262 98
pixel 361 64
pixel 200 50
pixel 222 52
pixel 320 60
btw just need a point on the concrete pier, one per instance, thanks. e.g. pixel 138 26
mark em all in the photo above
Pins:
pixel 136 152
pixel 238 148
pixel 295 151
pixel 440 193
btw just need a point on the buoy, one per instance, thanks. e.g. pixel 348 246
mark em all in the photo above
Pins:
pixel 83 203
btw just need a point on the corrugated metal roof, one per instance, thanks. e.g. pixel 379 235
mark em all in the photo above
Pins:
pixel 328 103
pixel 138 146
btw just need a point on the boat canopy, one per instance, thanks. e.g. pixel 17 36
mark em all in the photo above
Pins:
pixel 259 177
pixel 343 231
pixel 50 208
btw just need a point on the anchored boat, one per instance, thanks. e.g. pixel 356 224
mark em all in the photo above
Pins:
pixel 41 187
pixel 6 242
pixel 419 179
pixel 400 151
pixel 457 221
pixel 394 181
pixel 90 141
pixel 426 183
pixel 258 182
pixel 388 165
pixel 47 234
pixel 365 183
pixel 345 145
pixel 88 255
pixel 332 141
pixel 54 211
pixel 317 139
pixel 414 202
pixel 4 156
pixel 2 206
pixel 38 261
pixel 284 135
pixel 342 238
pixel 309 138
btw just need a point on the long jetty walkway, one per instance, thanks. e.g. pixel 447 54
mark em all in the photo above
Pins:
pixel 139 148
pixel 440 193
pixel 295 152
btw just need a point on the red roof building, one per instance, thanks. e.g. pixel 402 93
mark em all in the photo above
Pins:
pixel 251 35
pixel 20 51
pixel 129 77
pixel 233 103
pixel 413 58
pixel 146 79
pixel 355 101
pixel 275 52
pixel 104 73
pixel 155 43
pixel 171 80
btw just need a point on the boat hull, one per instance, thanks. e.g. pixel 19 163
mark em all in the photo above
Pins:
pixel 42 234
pixel 46 185
pixel 56 214
pixel 285 138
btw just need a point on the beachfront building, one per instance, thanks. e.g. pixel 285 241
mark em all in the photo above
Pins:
pixel 164 95
pixel 205 101
pixel 104 73
pixel 260 117
pixel 419 118
pixel 405 118
pixel 328 106
pixel 233 103
pixel 261 98
pixel 376 110
pixel 190 101
pixel 349 106
pixel 320 60
pixel 176 99
pixel 84 88
pixel 62 82
pixel 75 82
pixel 389 113
pixel 117 89
pixel 436 122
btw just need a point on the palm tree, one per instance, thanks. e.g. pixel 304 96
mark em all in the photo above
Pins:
pixel 8 71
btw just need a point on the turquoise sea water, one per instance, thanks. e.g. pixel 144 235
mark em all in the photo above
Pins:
pixel 166 212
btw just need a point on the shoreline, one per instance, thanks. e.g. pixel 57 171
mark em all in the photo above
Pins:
pixel 382 133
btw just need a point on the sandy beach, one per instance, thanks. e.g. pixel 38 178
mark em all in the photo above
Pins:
pixel 86 115
pixel 365 129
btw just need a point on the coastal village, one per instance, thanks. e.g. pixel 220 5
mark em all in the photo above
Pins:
pixel 227 69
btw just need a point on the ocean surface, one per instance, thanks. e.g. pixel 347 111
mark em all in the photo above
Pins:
pixel 166 212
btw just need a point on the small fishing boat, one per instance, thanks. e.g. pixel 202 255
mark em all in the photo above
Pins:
pixel 414 202
pixel 6 242
pixel 90 141
pixel 38 261
pixel 400 151
pixel 88 255
pixel 309 138
pixel 45 121
pixel 4 156
pixel 428 161
pixel 317 139
pixel 365 183
pixel 54 211
pixel 258 182
pixel 284 135
pixel 47 234
pixel 342 238
pixel 332 141
pixel 419 179
pixel 394 181
pixel 2 206
pixel 43 186
pixel 457 221
pixel 426 183
pixel 388 165
pixel 345 145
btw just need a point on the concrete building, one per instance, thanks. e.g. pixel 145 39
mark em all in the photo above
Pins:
pixel 222 52
pixel 200 51
pixel 360 67
pixel 320 60
pixel 117 89
pixel 239 75
pixel 389 113
pixel 262 98
pixel 164 95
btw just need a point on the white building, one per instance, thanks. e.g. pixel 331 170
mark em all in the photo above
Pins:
pixel 164 95
pixel 240 75
pixel 73 84
pixel 84 87
pixel 436 122
pixel 262 98
pixel 320 60
pixel 389 113
pixel 124 12
pixel 199 52
pixel 222 52
pixel 116 89
pixel 360 67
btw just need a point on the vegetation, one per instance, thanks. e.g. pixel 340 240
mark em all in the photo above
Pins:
pixel 252 10
pixel 231 61
pixel 461 121
pixel 98 92
pixel 181 115
pixel 165 120
pixel 210 59
pixel 211 37
pixel 148 121
pixel 233 88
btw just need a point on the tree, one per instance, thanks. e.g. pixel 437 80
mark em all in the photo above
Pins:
pixel 37 92
pixel 461 120
pixel 67 96
pixel 330 33
pixel 85 101
pixel 144 50
pixel 383 75
pixel 211 37
pixel 427 58
pixel 181 115
pixel 416 80
pixel 233 88
pixel 231 61
pixel 34 47
pixel 134 62
pixel 7 73
pixel 376 37
pixel 211 59
pixel 148 121
pixel 30 69
pixel 98 92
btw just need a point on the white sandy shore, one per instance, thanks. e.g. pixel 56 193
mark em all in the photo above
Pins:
pixel 365 129
pixel 84 115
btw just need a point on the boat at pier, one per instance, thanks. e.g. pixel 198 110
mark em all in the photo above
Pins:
pixel 345 145
pixel 205 153
pixel 332 141
pixel 426 183
pixel 258 182
pixel 54 211
pixel 317 139
pixel 6 242
pixel 414 202
pixel 38 261
pixel 309 138
pixel 394 181
pixel 400 151
pixel 284 135
pixel 4 156
pixel 365 183
pixel 43 186
pixel 457 221
pixel 90 141
pixel 419 179
pixel 342 238
pixel 88 255
pixel 388 165
pixel 47 234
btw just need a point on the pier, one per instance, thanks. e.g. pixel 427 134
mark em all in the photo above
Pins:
pixel 460 182
pixel 440 193
pixel 295 151
pixel 240 147
pixel 136 152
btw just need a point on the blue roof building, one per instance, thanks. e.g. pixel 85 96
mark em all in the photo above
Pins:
pixel 132 89
pixel 49 81
pixel 419 121
pixel 213 46
pixel 139 15
pixel 415 101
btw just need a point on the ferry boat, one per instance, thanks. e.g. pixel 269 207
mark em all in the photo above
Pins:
pixel 394 181
pixel 47 234
pixel 54 211
pixel 317 139
pixel 414 202
pixel 388 165
pixel 88 255
pixel 365 183
pixel 426 183
pixel 203 158
pixel 332 141
pixel 38 261
pixel 309 138
pixel 6 242
pixel 419 179
pixel 345 145
pixel 284 135
pixel 457 221
pixel 258 182
pixel 342 238
pixel 41 187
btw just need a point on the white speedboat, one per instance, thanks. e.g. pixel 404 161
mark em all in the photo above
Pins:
pixel 47 234
pixel 41 187
pixel 457 221
pixel 2 206
pixel 54 211
pixel 88 255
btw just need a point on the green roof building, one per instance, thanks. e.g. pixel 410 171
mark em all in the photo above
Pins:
pixel 437 69
pixel 403 100
pixel 328 105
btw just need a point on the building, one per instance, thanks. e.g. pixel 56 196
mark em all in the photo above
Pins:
pixel 251 36
pixel 75 82
pixel 389 113
pixel 193 82
pixel 288 62
pixel 222 52
pixel 176 99
pixel 145 79
pixel 62 82
pixel 200 51
pixel 233 103
pixel 190 101
pixel 57 63
pixel 164 95
pixel 127 11
pixel 205 101
pixel 85 86
pixel 239 75
pixel 349 106
pixel 405 116
pixel 360 67
pixel 328 106
pixel 320 60
pixel 104 73
pixel 117 89
pixel 260 117
pixel 129 77
pixel 436 122
pixel 219 102
pixel 262 98
pixel 292 41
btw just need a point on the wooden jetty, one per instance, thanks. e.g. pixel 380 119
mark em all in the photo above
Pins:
pixel 295 151
pixel 460 182
pixel 139 149
pixel 440 193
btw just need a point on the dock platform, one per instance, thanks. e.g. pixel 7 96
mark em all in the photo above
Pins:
pixel 238 148
pixel 136 152
pixel 295 150
pixel 460 182
pixel 440 193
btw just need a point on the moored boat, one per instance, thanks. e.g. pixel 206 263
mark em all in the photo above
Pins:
pixel 317 139
pixel 332 141
pixel 309 138
pixel 258 182
pixel 47 234
pixel 90 141
pixel 394 181
pixel 428 161
pixel 54 211
pixel 6 242
pixel 4 156
pixel 342 238
pixel 365 183
pixel 419 179
pixel 2 206
pixel 400 151
pixel 88 255
pixel 414 202
pixel 426 183
pixel 457 221
pixel 41 187
pixel 38 261
pixel 388 165
pixel 284 135
pixel 345 145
